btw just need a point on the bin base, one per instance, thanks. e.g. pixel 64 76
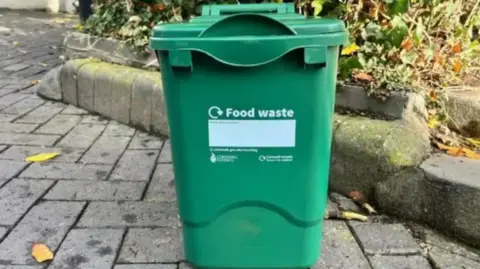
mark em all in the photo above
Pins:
pixel 253 238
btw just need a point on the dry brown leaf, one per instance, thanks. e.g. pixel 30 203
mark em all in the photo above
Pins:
pixel 457 48
pixel 407 44
pixel 440 60
pixel 357 196
pixel 363 77
pixel 457 66
pixel 432 94
pixel 459 151
pixel 360 199
pixel 42 253
pixel 455 152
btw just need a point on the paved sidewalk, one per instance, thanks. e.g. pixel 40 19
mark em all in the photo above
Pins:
pixel 108 201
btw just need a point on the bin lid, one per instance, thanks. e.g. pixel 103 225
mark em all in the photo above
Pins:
pixel 284 13
pixel 259 33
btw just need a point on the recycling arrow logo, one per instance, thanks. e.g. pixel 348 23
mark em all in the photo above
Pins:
pixel 214 112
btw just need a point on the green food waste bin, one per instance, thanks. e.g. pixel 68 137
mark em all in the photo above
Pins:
pixel 250 95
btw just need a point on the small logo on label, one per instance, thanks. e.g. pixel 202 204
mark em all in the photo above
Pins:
pixel 214 112
pixel 213 158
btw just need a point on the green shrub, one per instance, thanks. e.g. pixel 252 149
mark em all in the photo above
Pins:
pixel 394 45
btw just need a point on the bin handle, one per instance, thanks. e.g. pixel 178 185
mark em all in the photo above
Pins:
pixel 215 10
pixel 261 51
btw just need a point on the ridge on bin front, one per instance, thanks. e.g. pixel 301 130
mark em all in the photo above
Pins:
pixel 250 96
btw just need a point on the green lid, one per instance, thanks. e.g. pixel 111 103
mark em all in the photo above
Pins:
pixel 284 13
pixel 264 32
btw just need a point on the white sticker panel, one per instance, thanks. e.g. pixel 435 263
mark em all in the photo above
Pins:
pixel 251 133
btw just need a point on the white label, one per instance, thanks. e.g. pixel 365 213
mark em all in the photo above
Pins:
pixel 251 133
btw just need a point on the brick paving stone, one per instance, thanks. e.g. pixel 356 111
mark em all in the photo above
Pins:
pixel 8 127
pixel 5 91
pixel 15 67
pixel 75 171
pixel 82 136
pixel 93 119
pixel 441 259
pixel 42 113
pixel 19 153
pixel 30 90
pixel 28 139
pixel 88 249
pixel 11 99
pixel 184 265
pixel 18 196
pixel 135 165
pixel 376 238
pixel 145 266
pixel 47 222
pixel 161 245
pixel 73 110
pixel 23 106
pixel 28 72
pixel 60 124
pixel 115 128
pixel 399 262
pixel 129 214
pixel 8 169
pixel 338 244
pixel 143 140
pixel 8 62
pixel 166 154
pixel 106 149
pixel 8 117
pixel 162 186
pixel 3 232
pixel 20 267
pixel 434 238
pixel 96 191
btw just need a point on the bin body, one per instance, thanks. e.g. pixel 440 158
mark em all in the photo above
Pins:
pixel 250 130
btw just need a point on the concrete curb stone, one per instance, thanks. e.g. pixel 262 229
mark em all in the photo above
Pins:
pixel 50 86
pixel 366 151
pixel 69 80
pixel 444 193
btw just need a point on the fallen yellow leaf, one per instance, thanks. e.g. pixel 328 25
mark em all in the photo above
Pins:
pixel 350 49
pixel 474 141
pixel 35 82
pixel 471 154
pixel 433 122
pixel 41 253
pixel 41 157
pixel 354 216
